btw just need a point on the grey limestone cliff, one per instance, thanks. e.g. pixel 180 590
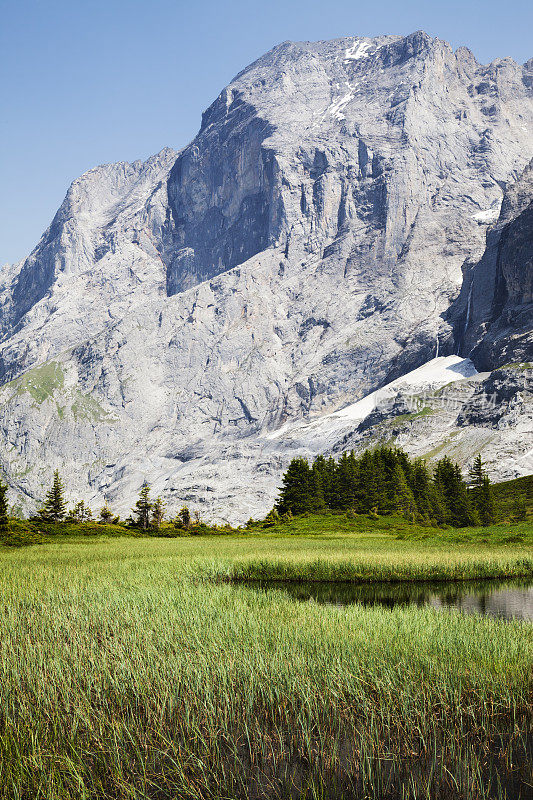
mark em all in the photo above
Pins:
pixel 494 312
pixel 304 250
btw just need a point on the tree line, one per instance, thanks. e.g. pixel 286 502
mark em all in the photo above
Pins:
pixel 386 481
pixel 147 514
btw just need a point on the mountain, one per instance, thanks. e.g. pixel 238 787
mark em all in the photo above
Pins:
pixel 181 318
pixel 494 313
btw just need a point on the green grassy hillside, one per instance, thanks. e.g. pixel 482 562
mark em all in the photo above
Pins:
pixel 513 495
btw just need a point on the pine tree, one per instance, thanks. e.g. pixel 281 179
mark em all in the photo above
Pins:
pixel 476 473
pixel 481 492
pixel 54 507
pixel 486 505
pixel 421 487
pixel 403 499
pixel 298 493
pixel 4 521
pixel 183 520
pixel 158 512
pixel 459 510
pixel 143 506
pixel 105 514
pixel 347 483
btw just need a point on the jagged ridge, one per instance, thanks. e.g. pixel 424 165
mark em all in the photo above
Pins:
pixel 303 251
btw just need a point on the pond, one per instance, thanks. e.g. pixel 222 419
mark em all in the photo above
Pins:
pixel 511 599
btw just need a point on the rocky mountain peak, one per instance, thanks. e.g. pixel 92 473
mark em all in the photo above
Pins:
pixel 302 252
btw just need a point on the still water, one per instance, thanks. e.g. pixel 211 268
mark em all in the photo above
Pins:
pixel 505 599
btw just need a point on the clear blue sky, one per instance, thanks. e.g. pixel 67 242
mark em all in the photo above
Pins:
pixel 85 82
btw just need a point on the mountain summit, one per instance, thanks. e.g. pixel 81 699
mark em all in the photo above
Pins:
pixel 324 235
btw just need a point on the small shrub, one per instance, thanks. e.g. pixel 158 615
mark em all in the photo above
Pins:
pixel 22 538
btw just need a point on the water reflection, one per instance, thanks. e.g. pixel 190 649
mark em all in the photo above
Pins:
pixel 504 599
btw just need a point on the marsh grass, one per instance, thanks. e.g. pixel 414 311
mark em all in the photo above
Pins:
pixel 125 674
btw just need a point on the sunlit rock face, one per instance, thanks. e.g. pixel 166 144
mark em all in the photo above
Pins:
pixel 303 251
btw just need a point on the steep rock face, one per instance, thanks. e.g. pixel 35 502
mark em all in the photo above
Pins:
pixel 300 253
pixel 97 259
pixel 498 293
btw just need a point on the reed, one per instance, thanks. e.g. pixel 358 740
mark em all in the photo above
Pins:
pixel 122 675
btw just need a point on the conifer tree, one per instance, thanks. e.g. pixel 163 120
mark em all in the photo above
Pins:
pixel 385 480
pixel 481 492
pixel 143 506
pixel 421 486
pixel 347 483
pixel 105 514
pixel 54 506
pixel 183 520
pixel 476 472
pixel 158 512
pixel 80 513
pixel 4 521
pixel 298 490
pixel 331 483
pixel 459 510
pixel 367 487
pixel 402 495
pixel 486 506
pixel 406 464
pixel 324 474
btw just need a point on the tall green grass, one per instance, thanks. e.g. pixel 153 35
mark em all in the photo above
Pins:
pixel 124 676
pixel 371 572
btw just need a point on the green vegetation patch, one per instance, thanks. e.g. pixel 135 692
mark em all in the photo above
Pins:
pixel 518 366
pixel 85 406
pixel 40 382
pixel 123 676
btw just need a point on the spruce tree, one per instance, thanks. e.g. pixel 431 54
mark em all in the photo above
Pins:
pixel 54 507
pixel 486 506
pixel 4 521
pixel 421 487
pixel 158 512
pixel 324 478
pixel 481 492
pixel 367 484
pixel 143 506
pixel 347 481
pixel 402 495
pixel 476 472
pixel 183 520
pixel 105 514
pixel 438 503
pixel 459 510
pixel 298 492
pixel 383 463
pixel 80 513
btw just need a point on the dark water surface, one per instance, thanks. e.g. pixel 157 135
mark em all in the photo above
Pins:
pixel 510 599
